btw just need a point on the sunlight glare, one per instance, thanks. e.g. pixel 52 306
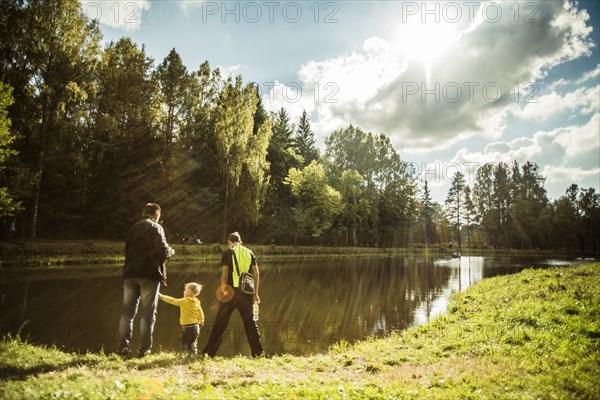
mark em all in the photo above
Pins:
pixel 426 41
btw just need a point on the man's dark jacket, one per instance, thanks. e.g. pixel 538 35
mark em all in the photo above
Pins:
pixel 146 250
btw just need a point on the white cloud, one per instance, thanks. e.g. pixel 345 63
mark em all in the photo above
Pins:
pixel 187 4
pixel 354 78
pixel 230 71
pixel 359 75
pixel 471 89
pixel 565 155
pixel 580 140
pixel 567 146
pixel 586 76
pixel 585 100
pixel 125 15
pixel 291 96
pixel 559 178
pixel 593 74
pixel 559 83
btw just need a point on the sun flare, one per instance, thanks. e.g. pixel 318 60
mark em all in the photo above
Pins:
pixel 426 42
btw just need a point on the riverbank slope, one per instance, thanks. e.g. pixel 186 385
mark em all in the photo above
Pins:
pixel 535 334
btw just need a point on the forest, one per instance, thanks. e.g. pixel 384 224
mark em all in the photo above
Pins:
pixel 92 131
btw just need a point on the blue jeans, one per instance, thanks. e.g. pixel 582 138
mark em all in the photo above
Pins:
pixel 143 292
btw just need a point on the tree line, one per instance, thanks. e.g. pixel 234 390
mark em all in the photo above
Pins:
pixel 89 133
pixel 507 206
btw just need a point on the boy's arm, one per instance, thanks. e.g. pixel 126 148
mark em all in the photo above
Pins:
pixel 170 300
pixel 200 314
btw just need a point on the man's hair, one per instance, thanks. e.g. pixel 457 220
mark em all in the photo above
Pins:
pixel 234 237
pixel 194 287
pixel 150 210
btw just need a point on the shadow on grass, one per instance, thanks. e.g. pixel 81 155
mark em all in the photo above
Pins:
pixel 19 373
pixel 10 372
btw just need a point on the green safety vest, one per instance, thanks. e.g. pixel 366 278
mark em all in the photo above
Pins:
pixel 243 255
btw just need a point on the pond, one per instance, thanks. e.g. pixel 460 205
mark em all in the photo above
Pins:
pixel 306 305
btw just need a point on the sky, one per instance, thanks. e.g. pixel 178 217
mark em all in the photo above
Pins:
pixel 453 84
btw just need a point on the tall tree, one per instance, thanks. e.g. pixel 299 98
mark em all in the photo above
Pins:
pixel 304 141
pixel 352 189
pixel 316 202
pixel 470 213
pixel 197 186
pixel 427 211
pixel 281 154
pixel 398 189
pixel 387 193
pixel 502 201
pixel 529 199
pixel 234 127
pixel 351 151
pixel 483 197
pixel 174 88
pixel 441 223
pixel 492 195
pixel 277 222
pixel 250 194
pixel 582 208
pixel 125 149
pixel 8 205
pixel 455 203
pixel 589 206
pixel 52 59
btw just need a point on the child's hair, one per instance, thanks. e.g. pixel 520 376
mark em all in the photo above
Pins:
pixel 194 287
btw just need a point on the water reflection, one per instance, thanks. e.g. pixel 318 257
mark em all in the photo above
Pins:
pixel 307 306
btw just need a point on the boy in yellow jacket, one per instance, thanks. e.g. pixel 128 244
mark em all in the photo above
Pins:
pixel 191 316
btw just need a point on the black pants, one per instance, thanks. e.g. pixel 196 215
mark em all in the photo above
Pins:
pixel 189 338
pixel 243 303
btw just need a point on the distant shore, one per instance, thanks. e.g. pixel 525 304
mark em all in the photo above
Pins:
pixel 52 253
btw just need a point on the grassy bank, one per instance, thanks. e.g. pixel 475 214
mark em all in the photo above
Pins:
pixel 532 335
pixel 60 253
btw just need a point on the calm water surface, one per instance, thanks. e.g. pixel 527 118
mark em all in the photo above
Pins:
pixel 306 306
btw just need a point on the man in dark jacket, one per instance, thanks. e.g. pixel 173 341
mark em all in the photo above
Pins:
pixel 146 250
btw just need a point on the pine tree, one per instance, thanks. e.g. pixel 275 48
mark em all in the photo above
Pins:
pixel 470 213
pixel 454 203
pixel 277 222
pixel 174 84
pixel 304 142
pixel 427 215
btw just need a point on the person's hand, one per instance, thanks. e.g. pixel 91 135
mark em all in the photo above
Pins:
pixel 161 296
pixel 256 299
pixel 171 251
pixel 224 293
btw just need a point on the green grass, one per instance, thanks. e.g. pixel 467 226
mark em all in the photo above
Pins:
pixel 532 335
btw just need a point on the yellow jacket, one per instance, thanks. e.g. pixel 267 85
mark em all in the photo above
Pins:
pixel 190 309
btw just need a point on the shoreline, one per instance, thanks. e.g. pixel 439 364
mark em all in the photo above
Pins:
pixel 54 253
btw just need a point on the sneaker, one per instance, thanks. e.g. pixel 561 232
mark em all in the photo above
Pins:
pixel 144 353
